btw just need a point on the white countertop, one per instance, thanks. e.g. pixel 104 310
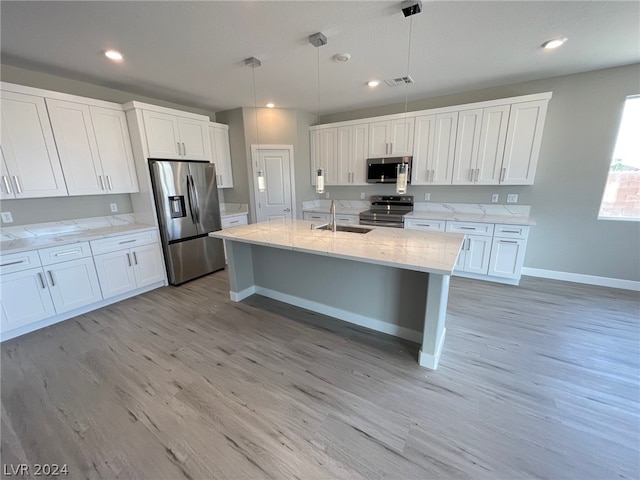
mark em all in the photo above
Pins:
pixel 432 252
pixel 343 207
pixel 53 240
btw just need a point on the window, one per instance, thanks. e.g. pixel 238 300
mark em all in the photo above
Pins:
pixel 621 199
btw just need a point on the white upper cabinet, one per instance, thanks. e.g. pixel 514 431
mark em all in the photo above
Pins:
pixel 6 190
pixel 94 147
pixel 32 164
pixel 467 146
pixel 352 154
pixel 172 136
pixel 434 148
pixel 219 136
pixel 524 136
pixel 391 137
pixel 324 154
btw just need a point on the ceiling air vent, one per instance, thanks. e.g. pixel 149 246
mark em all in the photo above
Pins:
pixel 399 81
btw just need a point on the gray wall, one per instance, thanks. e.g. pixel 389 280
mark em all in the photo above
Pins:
pixel 577 145
pixel 40 210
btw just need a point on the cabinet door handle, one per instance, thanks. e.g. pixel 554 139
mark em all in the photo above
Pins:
pixel 41 281
pixel 471 174
pixel 109 182
pixel 477 174
pixel 179 149
pixel 18 186
pixel 504 171
pixel 11 263
pixel 101 182
pixel 184 149
pixel 391 147
pixel 53 281
pixel 7 185
pixel 135 258
pixel 433 174
pixel 129 259
pixel 468 244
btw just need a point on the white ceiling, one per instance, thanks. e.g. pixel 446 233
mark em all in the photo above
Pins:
pixel 192 52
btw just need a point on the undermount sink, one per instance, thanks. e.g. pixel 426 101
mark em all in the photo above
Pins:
pixel 344 228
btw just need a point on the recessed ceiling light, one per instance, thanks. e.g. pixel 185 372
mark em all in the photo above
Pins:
pixel 342 57
pixel 270 105
pixel 113 55
pixel 554 43
pixel 373 83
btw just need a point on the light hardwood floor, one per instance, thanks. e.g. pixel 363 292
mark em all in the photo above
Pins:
pixel 536 381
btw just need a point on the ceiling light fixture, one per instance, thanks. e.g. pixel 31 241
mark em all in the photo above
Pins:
pixel 254 63
pixel 270 105
pixel 318 40
pixel 373 83
pixel 554 43
pixel 342 57
pixel 114 55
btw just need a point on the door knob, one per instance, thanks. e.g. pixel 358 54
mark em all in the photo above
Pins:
pixel 287 209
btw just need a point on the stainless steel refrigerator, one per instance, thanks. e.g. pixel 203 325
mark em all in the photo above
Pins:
pixel 186 198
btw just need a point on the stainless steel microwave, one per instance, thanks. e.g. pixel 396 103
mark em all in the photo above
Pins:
pixel 385 170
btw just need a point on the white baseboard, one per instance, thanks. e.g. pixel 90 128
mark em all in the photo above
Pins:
pixel 373 324
pixel 431 361
pixel 580 278
pixel 242 294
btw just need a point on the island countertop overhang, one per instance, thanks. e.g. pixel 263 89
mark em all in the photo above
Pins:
pixel 432 252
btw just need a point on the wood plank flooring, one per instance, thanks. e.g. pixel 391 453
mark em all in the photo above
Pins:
pixel 536 381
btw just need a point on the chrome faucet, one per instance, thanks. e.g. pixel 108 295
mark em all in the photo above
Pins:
pixel 332 220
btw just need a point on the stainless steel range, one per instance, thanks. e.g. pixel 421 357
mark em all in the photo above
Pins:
pixel 387 210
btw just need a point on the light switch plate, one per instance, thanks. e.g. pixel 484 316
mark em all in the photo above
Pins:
pixel 512 198
pixel 114 207
pixel 494 198
pixel 361 195
pixel 427 197
pixel 6 217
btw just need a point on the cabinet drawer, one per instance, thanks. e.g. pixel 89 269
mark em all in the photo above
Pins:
pixel 470 228
pixel 123 242
pixel 16 262
pixel 511 231
pixel 316 216
pixel 427 225
pixel 348 219
pixel 235 221
pixel 64 253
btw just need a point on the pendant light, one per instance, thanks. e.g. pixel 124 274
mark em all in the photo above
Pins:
pixel 409 9
pixel 318 40
pixel 254 63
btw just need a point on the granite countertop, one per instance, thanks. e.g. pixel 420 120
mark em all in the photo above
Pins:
pixel 480 213
pixel 58 239
pixel 433 252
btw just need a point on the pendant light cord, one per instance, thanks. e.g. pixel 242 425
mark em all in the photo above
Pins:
pixel 318 97
pixel 406 85
pixel 255 105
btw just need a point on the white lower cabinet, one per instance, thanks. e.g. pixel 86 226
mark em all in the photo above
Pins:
pixel 25 299
pixel 73 284
pixel 474 256
pixel 324 217
pixel 235 221
pixel 124 270
pixel 507 251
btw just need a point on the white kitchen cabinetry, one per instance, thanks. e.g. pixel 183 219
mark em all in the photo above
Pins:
pixel 32 166
pixel 391 137
pixel 221 154
pixel 234 221
pixel 507 251
pixel 434 148
pixel 524 136
pixel 425 225
pixel 347 219
pixel 94 147
pixel 127 262
pixel 352 154
pixel 172 136
pixel 71 276
pixel 6 190
pixel 476 248
pixel 323 217
pixel 324 154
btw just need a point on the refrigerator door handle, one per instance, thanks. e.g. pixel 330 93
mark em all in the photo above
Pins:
pixel 190 198
pixel 195 198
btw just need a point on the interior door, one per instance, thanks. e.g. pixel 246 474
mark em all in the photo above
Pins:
pixel 275 203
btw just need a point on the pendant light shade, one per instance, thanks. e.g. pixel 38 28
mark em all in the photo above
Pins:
pixel 320 181
pixel 402 177
pixel 262 184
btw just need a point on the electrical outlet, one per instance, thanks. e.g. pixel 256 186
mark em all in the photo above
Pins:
pixel 427 197
pixel 326 195
pixel 494 198
pixel 6 217
pixel 114 207
pixel 361 195
pixel 512 198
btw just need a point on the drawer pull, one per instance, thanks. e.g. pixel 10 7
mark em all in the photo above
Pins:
pixel 235 221
pixel 423 224
pixel 508 241
pixel 41 281
pixel 467 228
pixel 12 263
pixel 127 241
pixel 62 254
pixel 510 231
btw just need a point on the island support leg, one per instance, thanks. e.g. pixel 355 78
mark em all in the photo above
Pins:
pixel 240 266
pixel 434 321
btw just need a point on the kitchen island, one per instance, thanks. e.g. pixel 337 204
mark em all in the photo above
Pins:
pixel 392 280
